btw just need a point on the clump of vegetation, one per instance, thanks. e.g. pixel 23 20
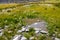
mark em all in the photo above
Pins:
pixel 57 5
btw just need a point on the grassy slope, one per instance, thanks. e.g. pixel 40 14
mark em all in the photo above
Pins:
pixel 50 14
pixel 5 6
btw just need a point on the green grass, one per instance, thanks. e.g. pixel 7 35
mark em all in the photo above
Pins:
pixel 51 14
pixel 6 6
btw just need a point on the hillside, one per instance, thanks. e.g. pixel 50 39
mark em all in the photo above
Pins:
pixel 29 19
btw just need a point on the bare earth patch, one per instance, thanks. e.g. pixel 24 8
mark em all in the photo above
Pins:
pixel 30 21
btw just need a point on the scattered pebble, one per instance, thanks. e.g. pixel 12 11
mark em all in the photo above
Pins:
pixel 9 31
pixel 53 38
pixel 29 26
pixel 23 38
pixel 1 32
pixel 36 32
pixel 6 26
pixel 17 37
pixel 19 31
pixel 23 29
pixel 44 32
pixel 27 30
pixel 31 38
